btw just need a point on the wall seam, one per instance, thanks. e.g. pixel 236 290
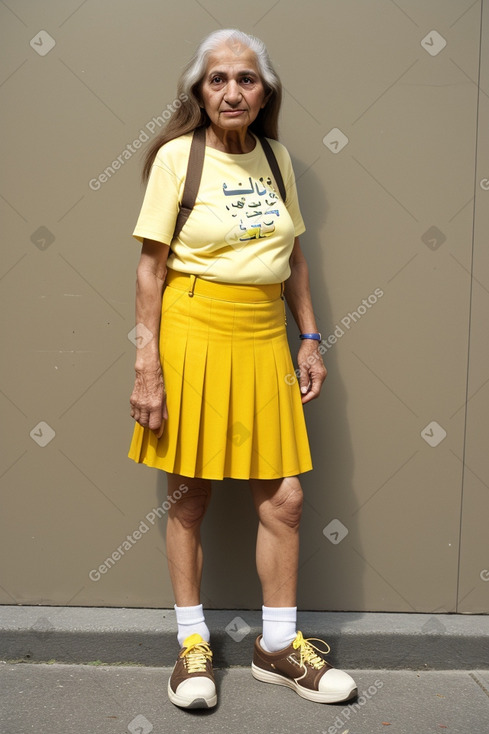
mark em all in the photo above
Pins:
pixel 474 209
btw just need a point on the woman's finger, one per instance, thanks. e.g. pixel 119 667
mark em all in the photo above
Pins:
pixel 143 419
pixel 304 380
pixel 161 429
pixel 314 380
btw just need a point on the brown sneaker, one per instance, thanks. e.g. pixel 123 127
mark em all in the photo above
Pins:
pixel 301 668
pixel 191 684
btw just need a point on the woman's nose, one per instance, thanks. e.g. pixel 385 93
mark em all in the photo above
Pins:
pixel 233 92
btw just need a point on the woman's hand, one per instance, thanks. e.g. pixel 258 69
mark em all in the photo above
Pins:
pixel 312 370
pixel 148 400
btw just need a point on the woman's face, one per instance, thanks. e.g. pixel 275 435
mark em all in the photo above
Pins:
pixel 232 90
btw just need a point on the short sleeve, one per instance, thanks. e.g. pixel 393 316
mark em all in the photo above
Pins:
pixel 160 207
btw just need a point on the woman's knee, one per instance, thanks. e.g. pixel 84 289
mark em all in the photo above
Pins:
pixel 191 505
pixel 285 504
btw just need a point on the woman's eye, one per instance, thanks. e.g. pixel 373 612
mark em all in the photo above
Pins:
pixel 247 80
pixel 216 80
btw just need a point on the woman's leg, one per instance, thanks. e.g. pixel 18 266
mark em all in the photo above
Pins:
pixel 278 503
pixel 183 544
pixel 282 653
pixel 191 683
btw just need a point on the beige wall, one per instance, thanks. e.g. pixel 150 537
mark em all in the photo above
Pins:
pixel 403 207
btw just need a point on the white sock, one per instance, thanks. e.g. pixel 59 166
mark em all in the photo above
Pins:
pixel 190 620
pixel 279 627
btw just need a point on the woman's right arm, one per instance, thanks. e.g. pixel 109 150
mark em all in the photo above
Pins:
pixel 148 399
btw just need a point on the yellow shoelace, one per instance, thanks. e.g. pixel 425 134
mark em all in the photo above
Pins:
pixel 308 651
pixel 196 656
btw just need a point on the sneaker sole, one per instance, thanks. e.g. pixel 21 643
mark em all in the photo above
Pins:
pixel 194 703
pixel 317 696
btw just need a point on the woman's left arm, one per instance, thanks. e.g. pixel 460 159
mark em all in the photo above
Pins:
pixel 298 295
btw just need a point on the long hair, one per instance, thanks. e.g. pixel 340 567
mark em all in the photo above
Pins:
pixel 189 115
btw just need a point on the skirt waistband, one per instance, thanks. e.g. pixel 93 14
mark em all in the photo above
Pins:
pixel 194 285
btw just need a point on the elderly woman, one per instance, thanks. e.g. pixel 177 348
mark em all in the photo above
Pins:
pixel 215 393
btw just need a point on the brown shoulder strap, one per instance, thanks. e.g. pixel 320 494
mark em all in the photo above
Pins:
pixel 273 163
pixel 192 179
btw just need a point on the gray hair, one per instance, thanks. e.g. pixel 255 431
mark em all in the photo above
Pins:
pixel 195 69
pixel 190 115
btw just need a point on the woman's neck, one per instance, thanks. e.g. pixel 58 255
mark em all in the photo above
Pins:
pixel 230 141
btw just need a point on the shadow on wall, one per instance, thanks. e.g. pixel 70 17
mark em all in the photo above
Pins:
pixel 327 560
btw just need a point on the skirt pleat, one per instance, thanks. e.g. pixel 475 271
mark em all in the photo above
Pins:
pixel 267 450
pixel 239 438
pixel 290 411
pixel 215 407
pixel 174 375
pixel 232 410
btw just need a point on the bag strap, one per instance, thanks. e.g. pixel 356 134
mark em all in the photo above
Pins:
pixel 192 179
pixel 273 163
pixel 194 175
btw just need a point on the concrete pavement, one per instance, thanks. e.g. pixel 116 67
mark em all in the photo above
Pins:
pixel 87 699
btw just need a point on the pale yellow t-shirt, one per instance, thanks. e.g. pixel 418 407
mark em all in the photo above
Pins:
pixel 239 230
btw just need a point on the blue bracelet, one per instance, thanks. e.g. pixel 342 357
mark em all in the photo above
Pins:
pixel 316 336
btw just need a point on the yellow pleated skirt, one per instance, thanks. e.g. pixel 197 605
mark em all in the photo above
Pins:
pixel 234 405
